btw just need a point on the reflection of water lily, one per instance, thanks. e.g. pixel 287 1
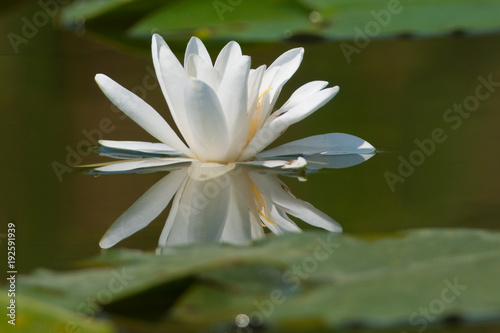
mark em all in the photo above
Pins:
pixel 224 110
pixel 217 203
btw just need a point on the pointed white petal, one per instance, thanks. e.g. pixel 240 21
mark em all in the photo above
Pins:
pixel 233 96
pixel 144 210
pixel 288 62
pixel 323 161
pixel 172 78
pixel 196 46
pixel 328 144
pixel 306 107
pixel 140 164
pixel 141 112
pixel 227 55
pixel 196 67
pixel 254 82
pixel 277 124
pixel 303 92
pixel 208 124
pixel 140 146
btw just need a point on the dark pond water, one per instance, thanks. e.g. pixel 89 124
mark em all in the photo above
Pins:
pixel 424 103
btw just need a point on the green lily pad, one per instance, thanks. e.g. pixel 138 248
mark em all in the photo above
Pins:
pixel 314 280
pixel 263 20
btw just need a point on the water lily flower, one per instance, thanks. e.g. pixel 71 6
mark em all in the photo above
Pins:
pixel 230 203
pixel 225 111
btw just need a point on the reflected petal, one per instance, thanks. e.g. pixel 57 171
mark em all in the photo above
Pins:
pixel 282 198
pixel 199 212
pixel 320 161
pixel 145 209
pixel 140 164
pixel 238 228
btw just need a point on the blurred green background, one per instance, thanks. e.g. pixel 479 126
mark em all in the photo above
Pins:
pixel 395 90
pixel 401 67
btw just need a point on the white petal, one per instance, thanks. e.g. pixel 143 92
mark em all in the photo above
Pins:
pixel 283 222
pixel 144 210
pixel 238 225
pixel 172 78
pixel 308 213
pixel 277 191
pixel 267 164
pixel 265 94
pixel 141 112
pixel 140 146
pixel 233 95
pixel 303 92
pixel 254 82
pixel 196 67
pixel 196 46
pixel 140 164
pixel 227 55
pixel 276 125
pixel 288 62
pixel 329 144
pixel 323 161
pixel 208 124
pixel 305 107
pixel 174 215
pixel 200 211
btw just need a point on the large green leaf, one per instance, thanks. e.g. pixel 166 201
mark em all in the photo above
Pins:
pixel 311 280
pixel 264 20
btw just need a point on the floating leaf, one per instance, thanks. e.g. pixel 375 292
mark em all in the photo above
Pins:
pixel 311 280
pixel 262 20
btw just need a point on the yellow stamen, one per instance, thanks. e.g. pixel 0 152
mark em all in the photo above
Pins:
pixel 261 205
pixel 262 95
pixel 258 114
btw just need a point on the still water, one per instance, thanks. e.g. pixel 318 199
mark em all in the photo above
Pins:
pixel 430 106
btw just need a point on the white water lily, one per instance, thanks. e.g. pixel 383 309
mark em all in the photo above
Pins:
pixel 223 110
pixel 217 203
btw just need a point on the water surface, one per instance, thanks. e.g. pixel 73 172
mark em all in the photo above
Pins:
pixel 393 93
